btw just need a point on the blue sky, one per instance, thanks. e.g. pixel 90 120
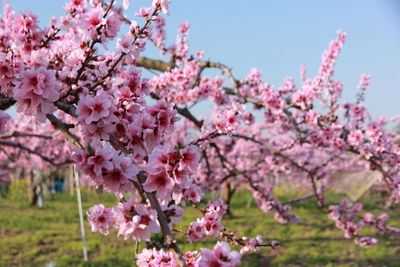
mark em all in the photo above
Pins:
pixel 278 36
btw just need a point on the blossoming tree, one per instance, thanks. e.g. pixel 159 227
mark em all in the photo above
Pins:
pixel 138 138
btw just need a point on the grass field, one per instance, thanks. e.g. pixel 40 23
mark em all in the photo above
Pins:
pixel 31 236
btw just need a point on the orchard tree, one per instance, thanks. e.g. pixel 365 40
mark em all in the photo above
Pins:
pixel 138 138
pixel 30 149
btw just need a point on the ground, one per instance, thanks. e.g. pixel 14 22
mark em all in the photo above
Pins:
pixel 32 236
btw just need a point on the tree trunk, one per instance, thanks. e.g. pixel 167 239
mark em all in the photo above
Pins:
pixel 32 196
pixel 227 195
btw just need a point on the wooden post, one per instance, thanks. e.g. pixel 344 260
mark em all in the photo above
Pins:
pixel 68 174
pixel 83 233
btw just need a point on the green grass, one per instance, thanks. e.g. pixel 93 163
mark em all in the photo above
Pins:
pixel 31 236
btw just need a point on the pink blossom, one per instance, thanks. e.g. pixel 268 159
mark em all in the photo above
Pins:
pixel 199 54
pixel 125 4
pixel 92 109
pixel 253 244
pixel 181 177
pixel 136 221
pixel 157 258
pixel 37 92
pixel 355 138
pixel 112 25
pixel 192 258
pixel 145 258
pixel 93 20
pixel 114 179
pixel 4 119
pixel 189 157
pixel 383 218
pixel 102 159
pixel 196 231
pixel 124 43
pixel 193 194
pixel 159 182
pixel 143 12
pixel 220 255
pixel 366 241
pixel 165 259
pixel 162 4
pixel 368 217
pixel 159 159
pixel 364 82
pixel 100 219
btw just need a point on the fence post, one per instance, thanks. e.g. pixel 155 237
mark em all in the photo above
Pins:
pixel 78 195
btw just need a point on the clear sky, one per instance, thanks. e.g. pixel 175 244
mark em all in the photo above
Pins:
pixel 278 36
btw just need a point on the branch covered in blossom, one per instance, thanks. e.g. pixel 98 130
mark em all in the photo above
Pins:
pixel 77 96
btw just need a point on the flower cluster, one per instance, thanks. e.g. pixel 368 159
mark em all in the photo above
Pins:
pixel 105 166
pixel 220 255
pixel 36 92
pixel 210 224
pixel 135 221
pixel 170 170
pixel 153 257
pixel 345 218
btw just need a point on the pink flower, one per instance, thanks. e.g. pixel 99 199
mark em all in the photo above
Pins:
pixel 182 177
pixel 145 258
pixel 159 182
pixel 100 219
pixel 112 25
pixel 92 109
pixel 93 20
pixel 125 4
pixel 136 221
pixel 143 12
pixel 190 157
pixel 102 159
pixel 124 43
pixel 199 54
pixel 383 218
pixel 114 179
pixel 368 217
pixel 357 207
pixel 358 110
pixel 212 224
pixel 193 194
pixel 159 159
pixel 4 118
pixel 165 259
pixel 253 244
pixel 366 241
pixel 221 255
pixel 37 92
pixel 162 4
pixel 218 207
pixel 164 114
pixel 127 166
pixel 197 231
pixel 364 82
pixel 355 138
pixel 135 84
pixel 156 258
pixel 227 121
pixel 192 258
